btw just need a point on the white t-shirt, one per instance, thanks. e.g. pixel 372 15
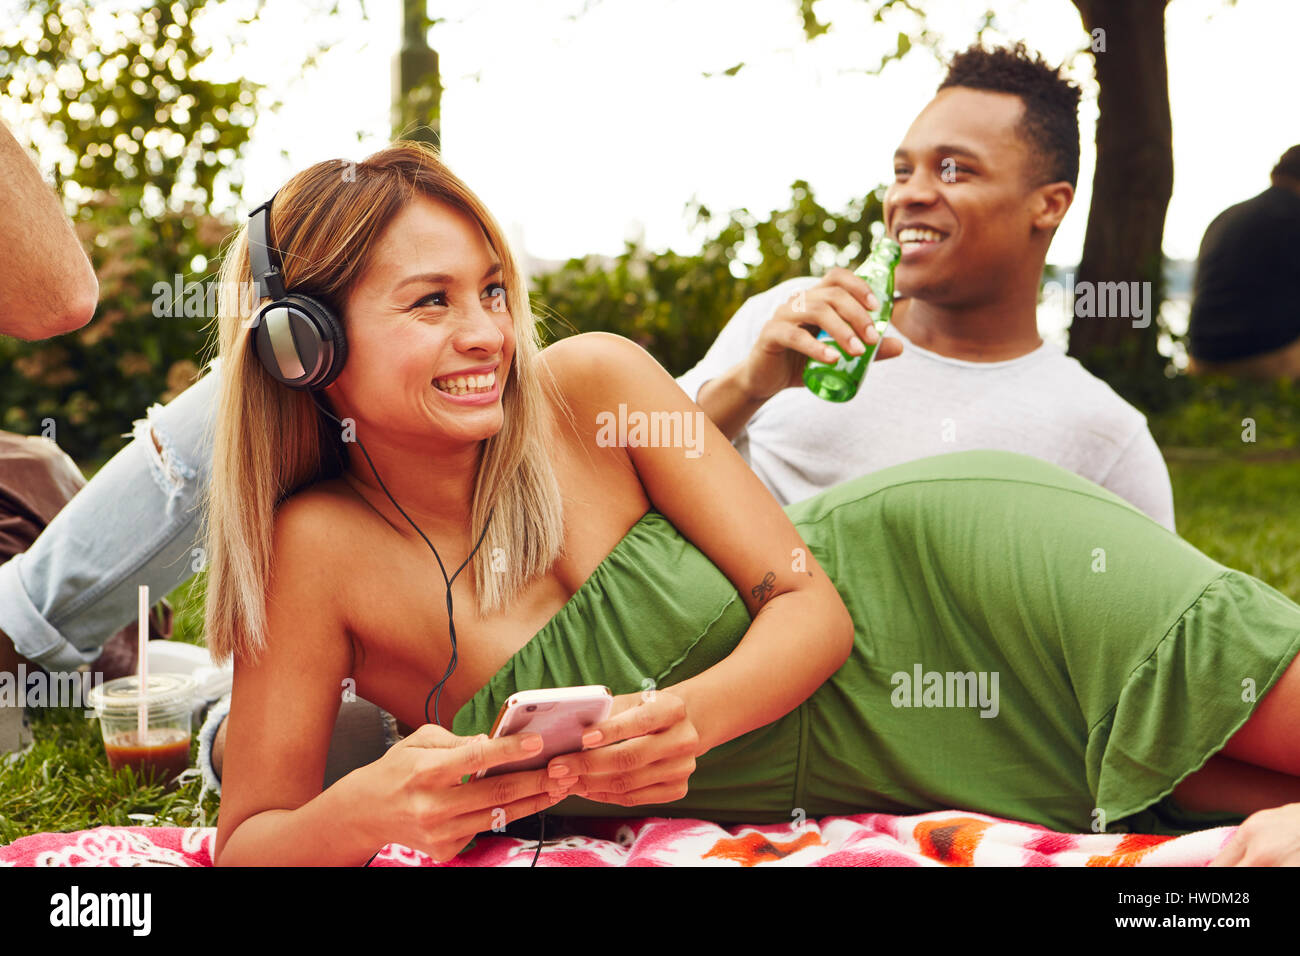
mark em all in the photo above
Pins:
pixel 1043 404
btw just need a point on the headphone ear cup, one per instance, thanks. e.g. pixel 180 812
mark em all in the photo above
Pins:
pixel 300 342
pixel 333 333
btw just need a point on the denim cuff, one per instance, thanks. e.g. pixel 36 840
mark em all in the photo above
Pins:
pixel 32 635
pixel 207 734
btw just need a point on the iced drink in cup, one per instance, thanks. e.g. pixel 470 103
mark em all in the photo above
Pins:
pixel 163 751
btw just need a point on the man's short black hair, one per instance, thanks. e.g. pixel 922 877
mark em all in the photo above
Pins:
pixel 1288 165
pixel 1051 119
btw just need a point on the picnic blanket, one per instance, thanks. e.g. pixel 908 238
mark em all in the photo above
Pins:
pixel 943 838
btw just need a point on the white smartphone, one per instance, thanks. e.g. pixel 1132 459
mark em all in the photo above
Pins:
pixel 561 715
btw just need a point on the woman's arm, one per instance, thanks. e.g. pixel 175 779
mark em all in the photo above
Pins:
pixel 801 631
pixel 283 708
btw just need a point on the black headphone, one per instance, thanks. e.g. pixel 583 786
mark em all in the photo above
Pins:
pixel 299 340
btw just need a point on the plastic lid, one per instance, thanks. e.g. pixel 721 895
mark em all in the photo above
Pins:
pixel 123 694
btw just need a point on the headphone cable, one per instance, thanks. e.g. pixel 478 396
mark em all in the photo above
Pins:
pixel 451 623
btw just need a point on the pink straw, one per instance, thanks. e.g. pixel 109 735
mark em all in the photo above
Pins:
pixel 143 712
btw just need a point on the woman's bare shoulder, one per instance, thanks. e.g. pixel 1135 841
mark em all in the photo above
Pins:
pixel 595 371
pixel 576 367
pixel 317 532
pixel 319 511
pixel 592 358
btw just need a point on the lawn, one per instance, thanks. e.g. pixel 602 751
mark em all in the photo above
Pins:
pixel 1243 514
pixel 1239 513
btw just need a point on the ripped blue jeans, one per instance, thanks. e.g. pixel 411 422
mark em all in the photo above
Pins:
pixel 136 522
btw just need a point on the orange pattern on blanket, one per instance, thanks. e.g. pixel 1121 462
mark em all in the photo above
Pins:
pixel 1129 850
pixel 951 841
pixel 754 848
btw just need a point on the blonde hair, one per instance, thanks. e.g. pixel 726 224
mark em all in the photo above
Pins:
pixel 271 441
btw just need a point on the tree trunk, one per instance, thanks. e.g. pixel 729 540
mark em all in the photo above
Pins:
pixel 1130 189
pixel 417 89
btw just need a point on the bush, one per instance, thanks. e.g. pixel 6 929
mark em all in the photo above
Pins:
pixel 86 388
pixel 674 305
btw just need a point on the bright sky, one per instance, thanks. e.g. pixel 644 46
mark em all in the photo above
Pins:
pixel 579 128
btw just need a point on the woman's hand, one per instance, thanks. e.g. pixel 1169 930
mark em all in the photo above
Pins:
pixel 644 752
pixel 1267 838
pixel 415 789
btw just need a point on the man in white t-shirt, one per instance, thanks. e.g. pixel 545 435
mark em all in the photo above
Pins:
pixel 982 179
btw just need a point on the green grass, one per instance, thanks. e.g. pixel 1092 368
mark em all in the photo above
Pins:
pixel 64 783
pixel 1240 513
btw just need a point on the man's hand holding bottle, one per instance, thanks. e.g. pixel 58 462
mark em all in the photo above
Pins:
pixel 842 304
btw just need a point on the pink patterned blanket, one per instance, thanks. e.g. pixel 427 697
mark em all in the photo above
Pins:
pixel 944 838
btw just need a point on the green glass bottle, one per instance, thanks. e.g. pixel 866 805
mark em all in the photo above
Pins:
pixel 839 381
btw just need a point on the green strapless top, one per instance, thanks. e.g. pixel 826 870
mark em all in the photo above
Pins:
pixel 1026 645
pixel 655 612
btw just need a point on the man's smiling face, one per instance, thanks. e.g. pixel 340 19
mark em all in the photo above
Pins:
pixel 961 204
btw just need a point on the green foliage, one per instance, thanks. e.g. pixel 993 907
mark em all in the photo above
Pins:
pixel 93 383
pixel 674 305
pixel 913 19
pixel 812 27
pixel 143 141
pixel 125 102
pixel 187 603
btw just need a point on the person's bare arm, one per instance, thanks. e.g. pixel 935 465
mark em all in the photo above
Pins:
pixel 801 631
pixel 728 402
pixel 47 285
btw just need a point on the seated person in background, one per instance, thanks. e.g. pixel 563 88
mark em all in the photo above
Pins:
pixel 1245 318
pixel 982 179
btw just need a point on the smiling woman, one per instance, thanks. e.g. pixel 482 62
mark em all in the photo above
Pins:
pixel 272 441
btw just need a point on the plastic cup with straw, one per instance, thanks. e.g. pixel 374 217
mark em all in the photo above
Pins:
pixel 146 721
